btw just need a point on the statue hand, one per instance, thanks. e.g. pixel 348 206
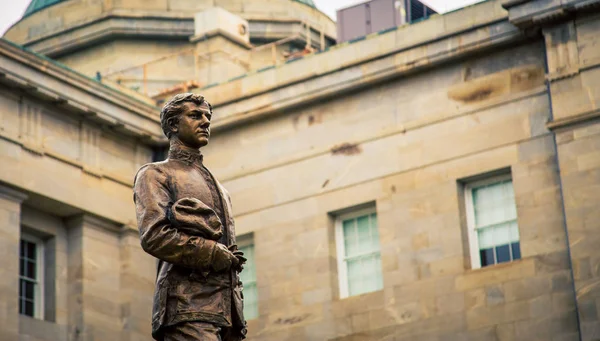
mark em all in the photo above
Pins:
pixel 240 257
pixel 223 259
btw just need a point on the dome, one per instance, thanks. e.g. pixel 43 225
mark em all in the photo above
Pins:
pixel 37 5
pixel 307 2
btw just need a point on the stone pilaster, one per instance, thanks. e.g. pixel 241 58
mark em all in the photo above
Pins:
pixel 571 34
pixel 138 274
pixel 10 227
pixel 94 279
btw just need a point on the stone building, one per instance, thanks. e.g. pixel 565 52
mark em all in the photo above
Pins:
pixel 434 181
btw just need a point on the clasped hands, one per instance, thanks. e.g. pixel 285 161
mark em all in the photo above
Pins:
pixel 226 258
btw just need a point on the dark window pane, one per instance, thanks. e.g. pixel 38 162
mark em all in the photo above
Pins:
pixel 31 250
pixel 29 287
pixel 31 270
pixel 503 253
pixel 516 250
pixel 22 249
pixel 28 308
pixel 21 288
pixel 487 257
pixel 21 267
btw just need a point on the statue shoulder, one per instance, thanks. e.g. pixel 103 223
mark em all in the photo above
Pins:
pixel 152 169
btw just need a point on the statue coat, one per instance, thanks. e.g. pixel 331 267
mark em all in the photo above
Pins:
pixel 187 288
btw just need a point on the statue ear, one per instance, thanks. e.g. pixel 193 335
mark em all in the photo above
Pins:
pixel 173 124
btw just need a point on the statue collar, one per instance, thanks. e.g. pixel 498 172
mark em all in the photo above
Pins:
pixel 185 154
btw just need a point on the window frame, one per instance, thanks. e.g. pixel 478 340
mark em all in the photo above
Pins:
pixel 245 241
pixel 344 285
pixel 38 300
pixel 470 213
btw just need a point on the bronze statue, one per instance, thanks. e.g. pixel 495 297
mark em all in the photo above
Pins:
pixel 184 219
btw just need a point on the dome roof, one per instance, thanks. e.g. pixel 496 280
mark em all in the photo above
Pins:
pixel 307 2
pixel 36 5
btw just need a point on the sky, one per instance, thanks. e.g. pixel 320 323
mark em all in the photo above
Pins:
pixel 11 10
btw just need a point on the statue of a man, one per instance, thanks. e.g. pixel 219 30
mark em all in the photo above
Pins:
pixel 184 219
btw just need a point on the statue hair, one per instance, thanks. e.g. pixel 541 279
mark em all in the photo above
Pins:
pixel 174 108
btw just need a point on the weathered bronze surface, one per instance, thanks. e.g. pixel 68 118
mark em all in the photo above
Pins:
pixel 185 220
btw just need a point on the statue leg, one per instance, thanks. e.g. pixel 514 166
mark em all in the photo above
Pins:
pixel 192 331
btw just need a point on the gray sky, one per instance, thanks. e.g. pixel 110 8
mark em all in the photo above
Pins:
pixel 11 10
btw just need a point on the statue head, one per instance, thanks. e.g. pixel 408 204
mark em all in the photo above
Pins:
pixel 186 118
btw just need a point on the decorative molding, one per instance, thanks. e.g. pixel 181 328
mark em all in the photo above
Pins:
pixel 562 51
pixel 528 13
pixel 556 76
pixel 89 146
pixel 309 86
pixel 113 177
pixel 573 120
pixel 130 229
pixel 88 220
pixel 12 194
pixel 23 60
pixel 220 33
pixel 30 126
pixel 70 105
pixel 122 23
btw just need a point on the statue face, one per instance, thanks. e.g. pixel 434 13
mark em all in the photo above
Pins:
pixel 193 128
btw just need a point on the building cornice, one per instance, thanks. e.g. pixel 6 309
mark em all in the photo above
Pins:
pixel 12 194
pixel 124 23
pixel 376 59
pixel 537 13
pixel 86 220
pixel 85 97
pixel 573 120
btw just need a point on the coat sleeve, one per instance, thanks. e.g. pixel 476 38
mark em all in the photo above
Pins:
pixel 158 237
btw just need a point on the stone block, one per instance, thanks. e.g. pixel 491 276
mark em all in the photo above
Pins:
pixel 588 161
pixel 496 274
pixel 537 149
pixel 563 302
pixel 475 298
pixel 541 306
pixel 450 304
pixel 447 266
pixel 505 332
pixel 562 282
pixel 316 296
pixel 494 295
pixel 489 316
pixel 582 268
pixel 360 322
pixel 526 289
pixel 588 311
pixel 551 262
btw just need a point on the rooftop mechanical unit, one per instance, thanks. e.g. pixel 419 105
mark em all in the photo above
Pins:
pixel 378 15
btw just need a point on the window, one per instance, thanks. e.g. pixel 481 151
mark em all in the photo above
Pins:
pixel 31 266
pixel 359 258
pixel 492 222
pixel 248 277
